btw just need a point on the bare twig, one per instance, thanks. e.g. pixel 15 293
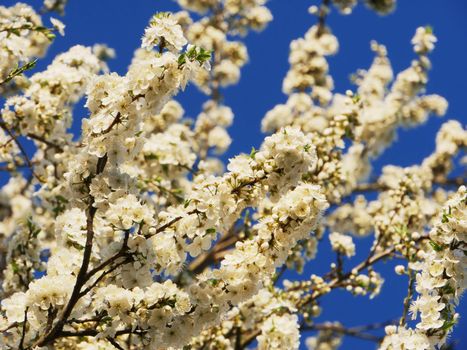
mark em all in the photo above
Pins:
pixel 45 141
pixel 408 298
pixel 22 150
pixel 105 273
pixel 114 343
pixel 23 331
pixel 357 332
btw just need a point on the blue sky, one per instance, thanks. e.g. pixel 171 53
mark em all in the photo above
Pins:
pixel 120 24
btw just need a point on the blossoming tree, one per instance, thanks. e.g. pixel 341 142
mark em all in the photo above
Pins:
pixel 133 236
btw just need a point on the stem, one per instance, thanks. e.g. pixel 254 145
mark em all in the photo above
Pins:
pixel 170 223
pixel 323 12
pixel 114 343
pixel 109 271
pixel 23 331
pixel 408 298
pixel 357 332
pixel 82 274
pixel 45 141
pixel 238 338
pixel 21 148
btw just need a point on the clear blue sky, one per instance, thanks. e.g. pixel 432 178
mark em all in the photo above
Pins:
pixel 120 24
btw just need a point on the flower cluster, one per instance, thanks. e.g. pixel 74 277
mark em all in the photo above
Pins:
pixel 134 236
pixel 164 31
pixel 342 244
pixel 45 108
pixel 22 38
pixel 279 332
pixel 380 6
pixel 440 281
pixel 325 340
pixel 308 65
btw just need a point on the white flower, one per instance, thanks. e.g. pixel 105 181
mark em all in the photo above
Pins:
pixel 279 332
pixel 424 40
pixel 342 243
pixel 71 226
pixel 164 30
pixel 14 307
pixel 126 211
pixel 58 25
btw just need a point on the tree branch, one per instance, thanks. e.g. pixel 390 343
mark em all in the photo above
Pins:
pixel 23 331
pixel 21 148
pixel 408 298
pixel 357 332
pixel 81 278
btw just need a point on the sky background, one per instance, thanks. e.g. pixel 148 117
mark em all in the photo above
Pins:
pixel 120 24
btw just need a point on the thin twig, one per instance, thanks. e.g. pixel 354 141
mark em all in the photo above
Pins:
pixel 408 298
pixel 23 331
pixel 114 343
pixel 22 150
pixel 82 273
pixel 105 273
pixel 357 332
pixel 45 141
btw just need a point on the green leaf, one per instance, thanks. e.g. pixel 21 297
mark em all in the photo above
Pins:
pixel 182 59
pixel 213 281
pixel 211 231
pixel 106 319
pixel 14 266
pixel 437 247
pixel 19 70
pixel 162 14
pixel 448 325
pixel 447 289
pixel 446 216
pixel 402 230
pixel 253 152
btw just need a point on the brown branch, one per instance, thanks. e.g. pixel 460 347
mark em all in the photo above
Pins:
pixel 238 338
pixel 105 273
pixel 121 253
pixel 81 278
pixel 178 218
pixel 237 189
pixel 375 186
pixel 78 321
pixel 7 143
pixel 408 298
pixel 51 313
pixel 92 332
pixel 22 150
pixel 279 274
pixel 170 223
pixel 45 141
pixel 114 343
pixel 370 187
pixel 11 326
pixel 334 283
pixel 116 120
pixel 104 264
pixel 357 332
pixel 211 257
pixel 323 13
pixel 23 331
